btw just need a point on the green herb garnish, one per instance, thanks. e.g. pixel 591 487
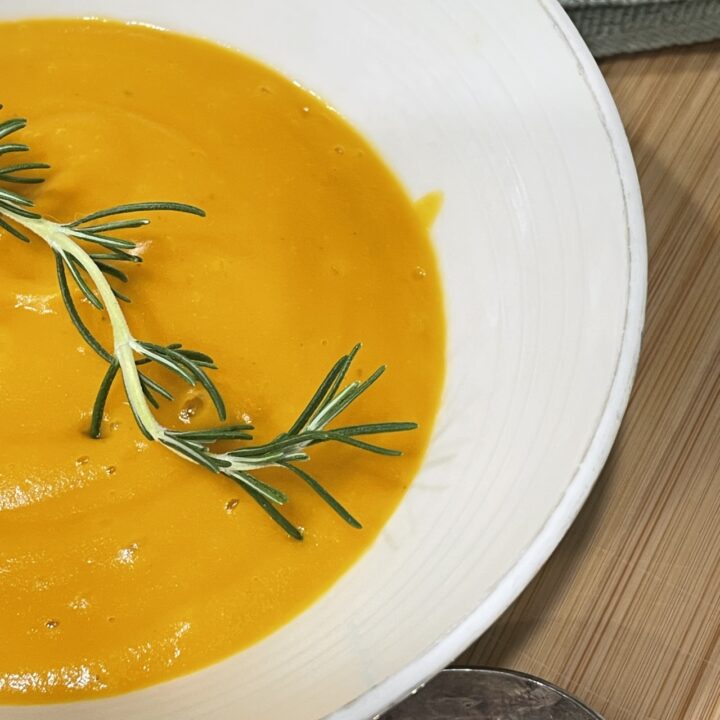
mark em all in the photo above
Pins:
pixel 88 249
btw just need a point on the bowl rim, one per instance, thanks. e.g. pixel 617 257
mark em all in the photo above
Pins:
pixel 391 690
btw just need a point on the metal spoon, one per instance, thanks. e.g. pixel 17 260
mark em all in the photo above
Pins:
pixel 489 694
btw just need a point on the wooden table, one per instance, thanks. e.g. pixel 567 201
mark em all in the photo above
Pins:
pixel 626 614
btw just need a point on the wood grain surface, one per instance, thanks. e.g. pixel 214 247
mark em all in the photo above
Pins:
pixel 626 614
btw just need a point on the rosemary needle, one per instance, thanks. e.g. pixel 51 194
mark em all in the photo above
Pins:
pixel 91 267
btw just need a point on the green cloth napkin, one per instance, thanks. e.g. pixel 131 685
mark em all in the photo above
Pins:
pixel 610 27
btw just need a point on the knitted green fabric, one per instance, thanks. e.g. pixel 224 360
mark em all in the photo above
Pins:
pixel 610 27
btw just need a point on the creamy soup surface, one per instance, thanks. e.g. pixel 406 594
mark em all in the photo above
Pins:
pixel 122 565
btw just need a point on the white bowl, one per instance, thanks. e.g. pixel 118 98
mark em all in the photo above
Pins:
pixel 542 250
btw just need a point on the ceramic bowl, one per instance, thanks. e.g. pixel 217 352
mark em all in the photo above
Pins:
pixel 541 245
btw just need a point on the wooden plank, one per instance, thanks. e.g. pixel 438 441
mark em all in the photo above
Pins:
pixel 626 614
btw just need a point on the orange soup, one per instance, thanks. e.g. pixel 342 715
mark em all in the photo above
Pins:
pixel 121 564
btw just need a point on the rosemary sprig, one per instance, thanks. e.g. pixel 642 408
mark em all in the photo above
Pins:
pixel 87 249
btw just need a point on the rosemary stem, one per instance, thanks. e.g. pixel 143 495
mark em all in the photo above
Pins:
pixel 123 339
pixel 284 451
